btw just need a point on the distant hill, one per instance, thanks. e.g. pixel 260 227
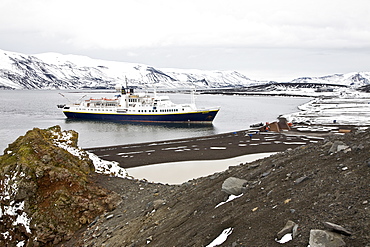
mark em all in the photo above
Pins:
pixel 355 79
pixel 57 71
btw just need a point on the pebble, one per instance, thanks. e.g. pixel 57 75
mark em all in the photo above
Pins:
pixel 300 180
pixel 287 201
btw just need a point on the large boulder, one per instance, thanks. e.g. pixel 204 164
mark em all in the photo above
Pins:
pixel 322 238
pixel 234 186
pixel 45 190
pixel 338 146
pixel 290 227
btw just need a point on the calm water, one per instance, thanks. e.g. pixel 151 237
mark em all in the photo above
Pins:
pixel 24 109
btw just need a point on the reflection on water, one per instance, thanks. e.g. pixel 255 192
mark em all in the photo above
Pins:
pixel 186 125
pixel 134 132
pixel 180 172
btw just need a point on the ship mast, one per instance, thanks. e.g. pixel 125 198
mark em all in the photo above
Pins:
pixel 123 94
pixel 192 93
pixel 126 93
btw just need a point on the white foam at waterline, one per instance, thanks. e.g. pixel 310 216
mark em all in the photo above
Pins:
pixel 180 172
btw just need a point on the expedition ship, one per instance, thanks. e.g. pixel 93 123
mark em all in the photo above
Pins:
pixel 138 107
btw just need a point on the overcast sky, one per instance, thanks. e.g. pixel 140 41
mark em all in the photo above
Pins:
pixel 265 39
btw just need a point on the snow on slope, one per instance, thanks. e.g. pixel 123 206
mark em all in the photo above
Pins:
pixel 56 71
pixel 355 79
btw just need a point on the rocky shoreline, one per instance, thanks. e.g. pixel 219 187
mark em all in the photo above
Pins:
pixel 309 186
pixel 220 146
pixel 321 187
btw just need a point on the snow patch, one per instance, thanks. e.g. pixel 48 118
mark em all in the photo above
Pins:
pixel 10 187
pixel 286 238
pixel 110 168
pixel 333 111
pixel 231 197
pixel 221 238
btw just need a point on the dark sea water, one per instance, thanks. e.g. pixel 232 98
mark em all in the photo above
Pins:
pixel 22 110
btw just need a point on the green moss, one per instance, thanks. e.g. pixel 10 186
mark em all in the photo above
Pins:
pixel 54 183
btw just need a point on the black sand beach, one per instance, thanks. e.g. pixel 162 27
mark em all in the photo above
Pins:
pixel 221 146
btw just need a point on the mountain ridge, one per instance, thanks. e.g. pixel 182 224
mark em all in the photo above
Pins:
pixel 57 71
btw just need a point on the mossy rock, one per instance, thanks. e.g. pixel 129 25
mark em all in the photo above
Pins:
pixel 52 185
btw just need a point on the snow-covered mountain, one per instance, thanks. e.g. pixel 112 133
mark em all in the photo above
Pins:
pixel 56 71
pixel 355 79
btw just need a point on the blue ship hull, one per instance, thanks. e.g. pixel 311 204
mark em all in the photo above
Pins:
pixel 202 116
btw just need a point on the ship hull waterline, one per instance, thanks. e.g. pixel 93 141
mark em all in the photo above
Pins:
pixel 198 117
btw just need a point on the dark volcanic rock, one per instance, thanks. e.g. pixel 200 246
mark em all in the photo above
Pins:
pixel 186 215
pixel 189 217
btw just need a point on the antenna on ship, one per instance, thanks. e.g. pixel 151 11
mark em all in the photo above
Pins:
pixel 121 88
pixel 65 97
pixel 82 97
pixel 155 91
pixel 126 84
